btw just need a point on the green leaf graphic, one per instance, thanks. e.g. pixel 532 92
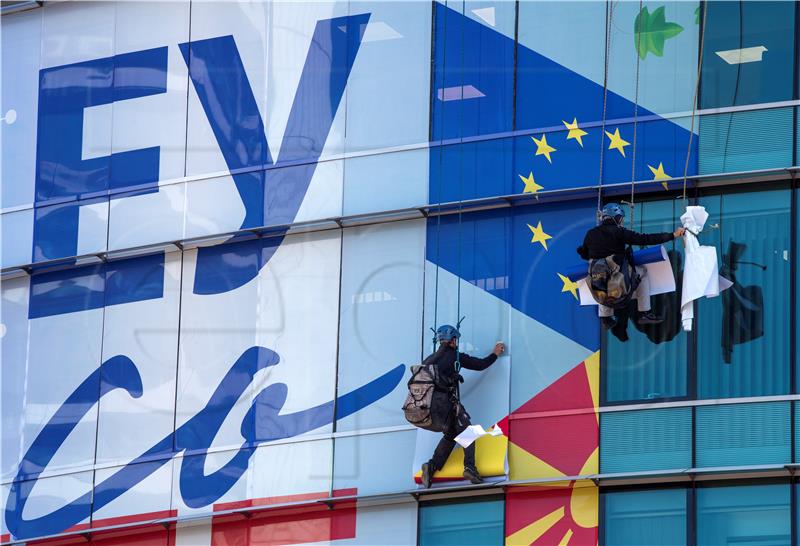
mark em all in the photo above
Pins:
pixel 697 16
pixel 650 31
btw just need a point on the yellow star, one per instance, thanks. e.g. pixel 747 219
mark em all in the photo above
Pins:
pixel 617 143
pixel 569 286
pixel 543 148
pixel 574 131
pixel 539 236
pixel 530 184
pixel 660 174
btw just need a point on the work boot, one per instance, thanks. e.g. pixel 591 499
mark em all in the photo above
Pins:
pixel 648 317
pixel 471 474
pixel 427 474
pixel 608 322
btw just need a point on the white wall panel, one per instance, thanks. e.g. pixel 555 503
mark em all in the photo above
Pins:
pixel 55 367
pixel 14 347
pixel 381 313
pixel 375 463
pixel 388 96
pixel 152 494
pixel 249 23
pixel 147 333
pixel 21 50
pixel 291 469
pixel 17 237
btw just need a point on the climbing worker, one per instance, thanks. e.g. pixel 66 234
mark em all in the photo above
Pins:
pixel 448 360
pixel 611 240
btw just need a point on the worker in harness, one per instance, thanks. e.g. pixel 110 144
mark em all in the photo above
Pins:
pixel 611 240
pixel 448 362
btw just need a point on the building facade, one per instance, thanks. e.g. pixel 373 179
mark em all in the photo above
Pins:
pixel 187 187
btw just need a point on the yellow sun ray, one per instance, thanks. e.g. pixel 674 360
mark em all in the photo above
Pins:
pixel 529 534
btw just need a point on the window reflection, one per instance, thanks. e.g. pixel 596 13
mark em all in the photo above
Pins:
pixel 743 336
pixel 742 306
pixel 748 53
pixel 655 517
pixel 741 339
pixel 652 364
pixel 747 515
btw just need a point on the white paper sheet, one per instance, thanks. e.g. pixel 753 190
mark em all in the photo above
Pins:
pixel 701 273
pixel 473 432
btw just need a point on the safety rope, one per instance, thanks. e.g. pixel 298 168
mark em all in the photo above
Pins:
pixel 609 16
pixel 631 203
pixel 735 89
pixel 460 206
pixel 440 175
pixel 696 93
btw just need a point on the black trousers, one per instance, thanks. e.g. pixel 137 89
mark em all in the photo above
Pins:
pixel 457 421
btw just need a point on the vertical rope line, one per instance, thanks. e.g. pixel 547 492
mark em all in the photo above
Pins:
pixel 703 16
pixel 609 15
pixel 635 120
pixel 441 163
pixel 460 203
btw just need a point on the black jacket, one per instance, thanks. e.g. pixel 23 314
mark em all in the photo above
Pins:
pixel 609 239
pixel 445 360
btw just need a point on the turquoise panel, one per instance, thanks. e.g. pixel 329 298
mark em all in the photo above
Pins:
pixel 743 434
pixel 460 523
pixel 655 518
pixel 765 30
pixel 633 441
pixel 796 428
pixel 745 141
pixel 743 336
pixel 744 515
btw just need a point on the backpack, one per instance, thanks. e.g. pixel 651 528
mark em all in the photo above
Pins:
pixel 427 404
pixel 612 284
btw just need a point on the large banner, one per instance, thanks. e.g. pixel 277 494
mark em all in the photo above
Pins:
pixel 242 371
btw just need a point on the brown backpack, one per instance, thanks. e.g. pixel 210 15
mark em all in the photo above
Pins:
pixel 427 404
pixel 610 283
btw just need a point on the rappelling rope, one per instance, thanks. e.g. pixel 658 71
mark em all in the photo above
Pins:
pixel 609 16
pixel 696 93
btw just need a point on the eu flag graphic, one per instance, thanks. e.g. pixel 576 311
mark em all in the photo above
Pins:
pixel 544 131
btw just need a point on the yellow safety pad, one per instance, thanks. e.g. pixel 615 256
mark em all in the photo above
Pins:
pixel 490 458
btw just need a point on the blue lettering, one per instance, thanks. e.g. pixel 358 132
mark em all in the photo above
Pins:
pixel 271 194
pixel 262 423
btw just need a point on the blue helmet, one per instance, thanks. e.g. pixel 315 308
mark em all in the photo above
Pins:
pixel 612 211
pixel 446 333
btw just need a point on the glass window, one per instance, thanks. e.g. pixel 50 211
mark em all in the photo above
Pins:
pixel 725 142
pixel 755 514
pixel 743 335
pixel 380 314
pixel 393 63
pixel 473 69
pixel 748 54
pixel 457 523
pixel 633 518
pixel 654 439
pixel 741 338
pixel 649 45
pixel 473 258
pixel 652 364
